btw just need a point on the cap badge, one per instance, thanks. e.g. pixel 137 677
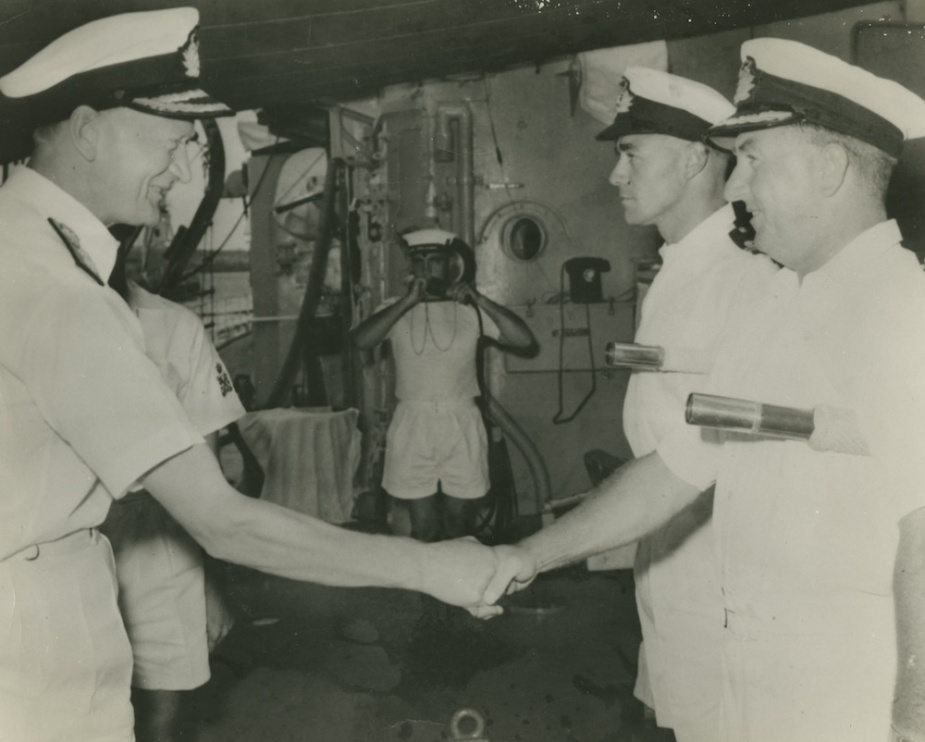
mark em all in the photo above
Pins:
pixel 191 56
pixel 624 98
pixel 746 81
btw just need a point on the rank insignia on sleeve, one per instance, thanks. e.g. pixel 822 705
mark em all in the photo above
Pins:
pixel 224 380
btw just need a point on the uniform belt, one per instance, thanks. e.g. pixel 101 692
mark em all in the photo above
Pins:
pixel 69 544
pixel 437 404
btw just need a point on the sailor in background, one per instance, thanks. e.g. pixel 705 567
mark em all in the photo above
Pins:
pixel 436 459
pixel 86 415
pixel 820 553
pixel 670 179
pixel 169 597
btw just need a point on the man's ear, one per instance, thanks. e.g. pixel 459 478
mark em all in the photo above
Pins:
pixel 84 127
pixel 833 167
pixel 697 156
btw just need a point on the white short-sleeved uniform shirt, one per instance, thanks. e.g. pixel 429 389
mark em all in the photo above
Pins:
pixel 176 341
pixel 807 540
pixel 705 281
pixel 85 413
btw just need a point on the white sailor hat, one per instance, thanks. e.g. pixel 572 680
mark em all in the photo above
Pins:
pixel 148 61
pixel 655 102
pixel 429 240
pixel 785 82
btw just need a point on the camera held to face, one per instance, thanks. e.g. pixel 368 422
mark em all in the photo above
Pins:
pixel 437 288
pixel 440 258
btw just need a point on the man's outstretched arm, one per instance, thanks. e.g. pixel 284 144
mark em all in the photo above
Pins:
pixel 273 539
pixel 632 502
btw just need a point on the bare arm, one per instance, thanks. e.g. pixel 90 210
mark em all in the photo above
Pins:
pixel 514 331
pixel 632 502
pixel 279 541
pixel 373 330
pixel 909 592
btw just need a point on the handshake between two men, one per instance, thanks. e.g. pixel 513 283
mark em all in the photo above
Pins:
pixel 633 501
pixel 465 573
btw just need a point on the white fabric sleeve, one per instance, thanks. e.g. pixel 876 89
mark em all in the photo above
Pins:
pixel 890 404
pixel 691 454
pixel 96 388
pixel 206 393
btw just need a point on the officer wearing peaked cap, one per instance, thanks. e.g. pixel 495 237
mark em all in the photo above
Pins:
pixel 783 82
pixel 820 553
pixel 145 61
pixel 655 102
pixel 87 417
pixel 669 178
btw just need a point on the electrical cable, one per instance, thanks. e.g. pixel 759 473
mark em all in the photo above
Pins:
pixel 212 255
pixel 482 527
pixel 482 404
pixel 313 288
pixel 501 503
pixel 186 240
pixel 558 419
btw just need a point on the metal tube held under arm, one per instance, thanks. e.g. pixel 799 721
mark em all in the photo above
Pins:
pixel 658 358
pixel 743 415
pixel 631 355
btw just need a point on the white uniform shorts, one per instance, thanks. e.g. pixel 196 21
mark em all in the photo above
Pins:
pixel 431 443
pixel 161 594
pixel 65 661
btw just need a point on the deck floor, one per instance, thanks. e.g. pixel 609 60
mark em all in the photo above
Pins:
pixel 306 662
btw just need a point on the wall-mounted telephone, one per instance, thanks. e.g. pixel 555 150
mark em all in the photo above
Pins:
pixel 584 287
pixel 584 279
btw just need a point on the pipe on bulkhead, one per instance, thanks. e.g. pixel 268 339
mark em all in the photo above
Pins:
pixel 444 151
pixel 463 153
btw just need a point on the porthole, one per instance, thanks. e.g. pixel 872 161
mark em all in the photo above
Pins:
pixel 524 238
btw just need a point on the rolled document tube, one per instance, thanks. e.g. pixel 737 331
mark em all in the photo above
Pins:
pixel 657 358
pixel 826 428
pixel 631 355
pixel 746 416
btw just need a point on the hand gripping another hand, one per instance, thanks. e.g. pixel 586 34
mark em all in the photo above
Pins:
pixel 463 572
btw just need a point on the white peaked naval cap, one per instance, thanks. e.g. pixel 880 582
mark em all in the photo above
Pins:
pixel 147 60
pixel 429 239
pixel 785 82
pixel 655 102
